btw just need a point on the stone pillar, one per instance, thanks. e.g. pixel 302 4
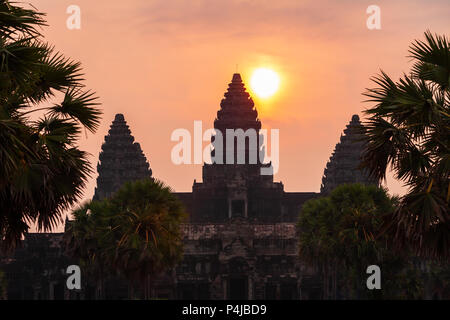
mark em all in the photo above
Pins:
pixel 246 206
pixel 224 285
pixel 278 292
pixel 51 294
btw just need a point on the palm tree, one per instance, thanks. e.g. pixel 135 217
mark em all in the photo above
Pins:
pixel 3 286
pixel 337 235
pixel 408 130
pixel 89 239
pixel 135 234
pixel 147 227
pixel 316 248
pixel 42 170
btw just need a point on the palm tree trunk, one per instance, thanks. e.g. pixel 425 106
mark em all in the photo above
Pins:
pixel 147 287
pixel 335 281
pixel 130 291
pixel 325 282
pixel 100 289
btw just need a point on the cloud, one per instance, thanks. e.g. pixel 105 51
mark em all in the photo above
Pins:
pixel 241 18
pixel 329 20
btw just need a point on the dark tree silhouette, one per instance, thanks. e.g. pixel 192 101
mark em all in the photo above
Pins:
pixel 42 170
pixel 408 130
pixel 135 234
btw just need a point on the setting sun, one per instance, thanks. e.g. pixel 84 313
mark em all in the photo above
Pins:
pixel 264 82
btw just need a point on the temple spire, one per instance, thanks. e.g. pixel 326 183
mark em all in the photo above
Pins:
pixel 121 160
pixel 237 109
pixel 236 78
pixel 343 166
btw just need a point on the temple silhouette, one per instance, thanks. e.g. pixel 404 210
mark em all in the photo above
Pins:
pixel 240 241
pixel 121 160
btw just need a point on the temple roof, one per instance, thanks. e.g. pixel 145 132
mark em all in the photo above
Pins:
pixel 120 160
pixel 237 109
pixel 343 166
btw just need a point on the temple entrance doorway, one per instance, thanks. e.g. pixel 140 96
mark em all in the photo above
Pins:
pixel 238 288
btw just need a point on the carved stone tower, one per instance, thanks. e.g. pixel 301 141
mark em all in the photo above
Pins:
pixel 343 166
pixel 233 185
pixel 121 160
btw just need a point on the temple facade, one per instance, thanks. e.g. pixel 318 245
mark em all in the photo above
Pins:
pixel 240 241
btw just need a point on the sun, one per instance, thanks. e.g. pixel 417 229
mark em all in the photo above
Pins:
pixel 264 82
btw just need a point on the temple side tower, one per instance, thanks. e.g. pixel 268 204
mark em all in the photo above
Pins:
pixel 343 166
pixel 121 160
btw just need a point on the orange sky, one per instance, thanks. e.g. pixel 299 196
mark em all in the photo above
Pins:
pixel 164 64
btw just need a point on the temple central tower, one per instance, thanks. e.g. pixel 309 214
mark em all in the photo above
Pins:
pixel 233 186
pixel 239 139
pixel 237 111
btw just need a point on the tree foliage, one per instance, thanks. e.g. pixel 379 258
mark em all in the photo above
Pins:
pixel 3 286
pixel 43 109
pixel 135 234
pixel 408 130
pixel 338 236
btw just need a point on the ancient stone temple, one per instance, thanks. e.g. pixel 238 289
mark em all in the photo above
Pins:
pixel 121 160
pixel 240 242
pixel 36 270
pixel 343 166
pixel 237 190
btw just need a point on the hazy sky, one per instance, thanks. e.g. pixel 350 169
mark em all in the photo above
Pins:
pixel 164 64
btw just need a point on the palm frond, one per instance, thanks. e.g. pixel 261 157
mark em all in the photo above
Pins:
pixel 433 59
pixel 79 106
pixel 15 20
